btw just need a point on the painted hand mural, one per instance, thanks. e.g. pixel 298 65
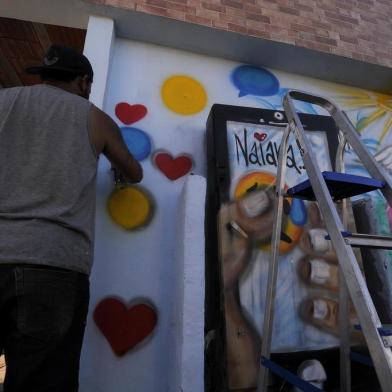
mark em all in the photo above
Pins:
pixel 307 304
pixel 241 223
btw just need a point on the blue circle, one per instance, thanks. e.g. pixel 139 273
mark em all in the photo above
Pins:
pixel 251 80
pixel 298 213
pixel 137 141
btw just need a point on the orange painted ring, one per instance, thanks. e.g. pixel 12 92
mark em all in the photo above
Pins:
pixel 263 180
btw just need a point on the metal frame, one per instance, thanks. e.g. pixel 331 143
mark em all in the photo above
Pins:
pixel 350 271
pixel 345 362
pixel 273 265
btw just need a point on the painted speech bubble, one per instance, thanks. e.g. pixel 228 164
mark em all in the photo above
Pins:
pixel 251 80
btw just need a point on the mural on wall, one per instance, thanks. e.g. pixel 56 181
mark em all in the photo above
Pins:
pixel 371 108
pixel 172 168
pixel 251 80
pixel 161 99
pixel 371 113
pixel 125 327
pixel 245 233
pixel 307 302
pixel 132 206
pixel 263 87
pixel 129 114
pixel 137 140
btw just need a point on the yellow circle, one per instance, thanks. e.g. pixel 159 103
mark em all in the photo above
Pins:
pixel 130 207
pixel 183 95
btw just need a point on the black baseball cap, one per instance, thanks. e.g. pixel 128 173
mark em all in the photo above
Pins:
pixel 62 58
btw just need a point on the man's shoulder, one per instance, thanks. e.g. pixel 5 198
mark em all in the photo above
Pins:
pixel 10 93
pixel 12 90
pixel 18 89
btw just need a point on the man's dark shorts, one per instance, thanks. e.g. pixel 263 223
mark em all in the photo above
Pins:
pixel 42 321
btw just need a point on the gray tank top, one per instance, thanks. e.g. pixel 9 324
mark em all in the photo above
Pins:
pixel 48 171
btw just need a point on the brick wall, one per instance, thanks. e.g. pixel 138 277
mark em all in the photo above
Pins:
pixel 23 43
pixel 360 29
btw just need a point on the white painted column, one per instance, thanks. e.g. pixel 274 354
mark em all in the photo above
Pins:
pixel 98 48
pixel 193 256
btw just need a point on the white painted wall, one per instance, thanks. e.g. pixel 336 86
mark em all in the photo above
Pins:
pixel 98 47
pixel 145 263
pixel 191 259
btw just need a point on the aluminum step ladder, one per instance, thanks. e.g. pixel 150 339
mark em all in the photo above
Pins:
pixel 327 188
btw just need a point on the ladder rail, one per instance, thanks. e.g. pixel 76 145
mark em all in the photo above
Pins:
pixel 368 317
pixel 273 263
pixel 344 334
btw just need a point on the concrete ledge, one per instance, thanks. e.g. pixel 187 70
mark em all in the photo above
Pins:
pixel 69 13
pixel 237 47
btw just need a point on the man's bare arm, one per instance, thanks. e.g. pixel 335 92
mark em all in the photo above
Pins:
pixel 108 140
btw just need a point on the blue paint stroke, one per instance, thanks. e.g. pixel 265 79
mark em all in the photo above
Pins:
pixel 251 80
pixel 137 141
pixel 298 213
pixel 276 103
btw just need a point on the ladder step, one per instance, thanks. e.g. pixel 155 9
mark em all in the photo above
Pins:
pixel 385 332
pixel 366 240
pixel 289 376
pixel 340 186
pixel 360 358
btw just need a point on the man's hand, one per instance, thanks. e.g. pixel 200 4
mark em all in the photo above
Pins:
pixel 119 179
pixel 107 139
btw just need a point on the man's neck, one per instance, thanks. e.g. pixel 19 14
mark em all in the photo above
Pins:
pixel 63 85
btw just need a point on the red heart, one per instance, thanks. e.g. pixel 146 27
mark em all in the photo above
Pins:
pixel 172 168
pixel 122 327
pixel 260 136
pixel 129 114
